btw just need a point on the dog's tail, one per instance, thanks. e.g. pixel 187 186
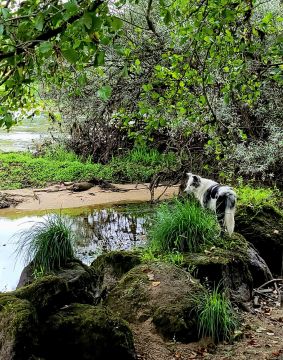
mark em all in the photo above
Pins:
pixel 230 207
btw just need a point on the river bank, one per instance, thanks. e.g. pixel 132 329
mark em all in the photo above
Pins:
pixel 60 196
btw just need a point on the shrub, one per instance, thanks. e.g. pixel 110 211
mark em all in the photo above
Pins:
pixel 257 197
pixel 216 317
pixel 182 226
pixel 48 244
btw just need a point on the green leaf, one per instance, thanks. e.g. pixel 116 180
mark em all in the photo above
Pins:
pixel 99 58
pixel 87 20
pixel 96 22
pixel 45 47
pixel 167 18
pixel 71 8
pixel 105 92
pixel 70 55
pixel 1 29
pixel 267 18
pixel 124 72
pixel 39 22
pixel 116 23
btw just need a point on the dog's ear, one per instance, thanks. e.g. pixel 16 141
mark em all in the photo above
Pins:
pixel 196 180
pixel 189 175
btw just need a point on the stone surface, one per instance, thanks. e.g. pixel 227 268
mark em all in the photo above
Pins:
pixel 18 324
pixel 161 292
pixel 86 332
pixel 263 227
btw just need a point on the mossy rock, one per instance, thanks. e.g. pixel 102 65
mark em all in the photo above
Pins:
pixel 238 269
pixel 161 292
pixel 110 267
pixel 18 323
pixel 86 332
pixel 263 227
pixel 73 283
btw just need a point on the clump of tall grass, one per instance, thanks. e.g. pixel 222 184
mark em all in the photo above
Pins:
pixel 150 157
pixel 216 317
pixel 48 244
pixel 182 226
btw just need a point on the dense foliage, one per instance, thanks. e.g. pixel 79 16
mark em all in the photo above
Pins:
pixel 200 77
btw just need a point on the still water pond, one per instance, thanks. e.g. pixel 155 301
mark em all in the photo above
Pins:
pixel 97 231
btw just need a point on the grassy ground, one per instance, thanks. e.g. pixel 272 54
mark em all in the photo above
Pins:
pixel 19 170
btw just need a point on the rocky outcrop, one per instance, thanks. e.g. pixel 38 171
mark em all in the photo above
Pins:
pixel 18 324
pixel 110 267
pixel 161 292
pixel 263 227
pixel 85 332
pixel 238 268
pixel 61 309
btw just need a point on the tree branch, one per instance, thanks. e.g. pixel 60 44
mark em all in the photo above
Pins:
pixel 50 33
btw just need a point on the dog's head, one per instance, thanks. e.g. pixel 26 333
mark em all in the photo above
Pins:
pixel 189 183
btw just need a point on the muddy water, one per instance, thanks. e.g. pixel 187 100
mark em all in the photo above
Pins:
pixel 97 230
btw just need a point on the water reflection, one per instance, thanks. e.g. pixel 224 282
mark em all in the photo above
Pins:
pixel 96 231
pixel 110 229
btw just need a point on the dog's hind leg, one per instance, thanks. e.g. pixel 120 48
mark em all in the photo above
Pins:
pixel 230 208
pixel 220 211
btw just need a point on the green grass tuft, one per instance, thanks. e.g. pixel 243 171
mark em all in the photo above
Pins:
pixel 182 226
pixel 48 244
pixel 216 317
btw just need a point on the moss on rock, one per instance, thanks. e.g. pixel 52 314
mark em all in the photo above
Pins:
pixel 263 227
pixel 238 267
pixel 86 332
pixel 110 267
pixel 160 291
pixel 119 261
pixel 45 294
pixel 18 321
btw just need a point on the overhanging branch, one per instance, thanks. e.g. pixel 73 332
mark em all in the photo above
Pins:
pixel 50 33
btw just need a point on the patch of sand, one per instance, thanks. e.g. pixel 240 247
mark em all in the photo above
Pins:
pixel 60 197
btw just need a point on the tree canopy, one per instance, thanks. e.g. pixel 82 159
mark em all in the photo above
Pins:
pixel 38 38
pixel 202 73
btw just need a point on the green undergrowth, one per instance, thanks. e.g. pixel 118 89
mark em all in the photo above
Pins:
pixel 19 170
pixel 257 197
pixel 182 225
pixel 216 317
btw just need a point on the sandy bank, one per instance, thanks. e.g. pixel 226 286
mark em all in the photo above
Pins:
pixel 60 197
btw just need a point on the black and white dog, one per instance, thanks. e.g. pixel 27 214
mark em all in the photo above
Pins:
pixel 219 198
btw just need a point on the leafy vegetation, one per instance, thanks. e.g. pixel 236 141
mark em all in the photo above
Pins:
pixel 48 244
pixel 182 226
pixel 257 197
pixel 216 317
pixel 56 165
pixel 201 78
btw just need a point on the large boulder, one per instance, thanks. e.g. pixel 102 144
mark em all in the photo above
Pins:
pixel 162 293
pixel 18 324
pixel 75 282
pixel 111 266
pixel 238 268
pixel 86 332
pixel 263 227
